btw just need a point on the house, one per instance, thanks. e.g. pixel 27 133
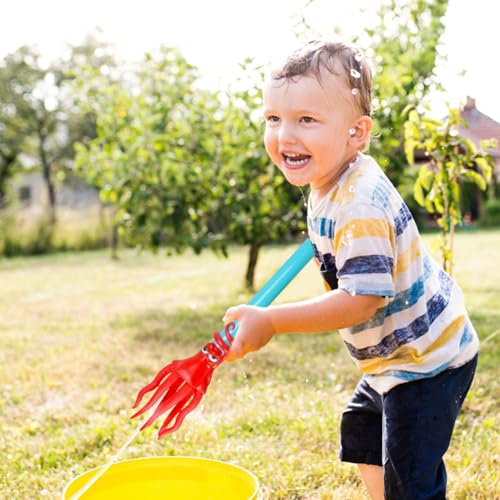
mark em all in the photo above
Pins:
pixel 478 127
pixel 30 191
pixel 481 126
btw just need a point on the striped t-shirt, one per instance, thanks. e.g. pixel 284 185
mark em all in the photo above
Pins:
pixel 367 243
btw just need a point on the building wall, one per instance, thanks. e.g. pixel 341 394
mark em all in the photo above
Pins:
pixel 29 190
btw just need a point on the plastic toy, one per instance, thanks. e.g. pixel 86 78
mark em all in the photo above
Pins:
pixel 180 386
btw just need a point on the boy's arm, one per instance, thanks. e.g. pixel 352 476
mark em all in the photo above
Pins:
pixel 330 311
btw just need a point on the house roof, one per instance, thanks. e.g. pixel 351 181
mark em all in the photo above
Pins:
pixel 480 126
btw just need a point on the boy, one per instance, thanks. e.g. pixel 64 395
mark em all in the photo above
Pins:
pixel 401 317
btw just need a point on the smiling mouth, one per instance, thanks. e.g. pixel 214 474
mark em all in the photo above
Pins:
pixel 295 160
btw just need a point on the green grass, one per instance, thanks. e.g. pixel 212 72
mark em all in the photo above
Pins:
pixel 80 334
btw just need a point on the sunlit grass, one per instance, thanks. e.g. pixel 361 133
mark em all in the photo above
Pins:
pixel 80 334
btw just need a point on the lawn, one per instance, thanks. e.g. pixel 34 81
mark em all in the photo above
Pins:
pixel 80 334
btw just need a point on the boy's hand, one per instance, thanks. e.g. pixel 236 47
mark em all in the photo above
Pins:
pixel 254 332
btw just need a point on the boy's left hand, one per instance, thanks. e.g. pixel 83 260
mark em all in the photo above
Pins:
pixel 255 330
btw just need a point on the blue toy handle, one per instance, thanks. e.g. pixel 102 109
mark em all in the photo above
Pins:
pixel 282 277
pixel 278 282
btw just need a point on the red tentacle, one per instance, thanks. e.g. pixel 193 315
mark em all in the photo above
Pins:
pixel 154 383
pixel 220 343
pixel 180 386
pixel 229 329
pixel 184 393
pixel 164 389
pixel 180 417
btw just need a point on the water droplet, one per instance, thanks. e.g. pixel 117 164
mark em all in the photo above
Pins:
pixel 355 73
pixel 347 239
pixel 353 293
pixel 354 91
pixel 358 56
pixel 351 189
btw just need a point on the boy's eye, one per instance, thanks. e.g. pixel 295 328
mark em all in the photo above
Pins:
pixel 272 118
pixel 307 119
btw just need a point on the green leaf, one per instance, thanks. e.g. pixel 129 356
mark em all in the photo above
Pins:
pixel 418 193
pixel 485 167
pixel 477 178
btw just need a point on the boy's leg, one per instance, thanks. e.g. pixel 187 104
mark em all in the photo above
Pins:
pixel 373 477
pixel 361 437
pixel 418 421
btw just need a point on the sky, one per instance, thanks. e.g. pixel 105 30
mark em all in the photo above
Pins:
pixel 217 35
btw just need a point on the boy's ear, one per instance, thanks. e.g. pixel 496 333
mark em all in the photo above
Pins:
pixel 362 128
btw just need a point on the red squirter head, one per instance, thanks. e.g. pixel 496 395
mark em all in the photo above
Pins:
pixel 197 370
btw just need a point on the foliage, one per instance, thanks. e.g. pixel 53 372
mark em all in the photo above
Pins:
pixel 261 206
pixel 19 75
pixel 156 154
pixel 452 159
pixel 31 234
pixel 38 115
pixel 491 215
pixel 185 166
pixel 404 43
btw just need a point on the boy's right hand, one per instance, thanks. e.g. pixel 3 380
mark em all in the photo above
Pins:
pixel 255 330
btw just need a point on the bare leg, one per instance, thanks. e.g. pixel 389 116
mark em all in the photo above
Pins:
pixel 373 477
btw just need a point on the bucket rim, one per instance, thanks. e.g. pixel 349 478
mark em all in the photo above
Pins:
pixel 255 495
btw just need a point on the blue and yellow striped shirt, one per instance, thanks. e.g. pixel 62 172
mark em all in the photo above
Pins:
pixel 367 243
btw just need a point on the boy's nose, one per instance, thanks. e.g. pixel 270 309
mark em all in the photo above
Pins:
pixel 287 135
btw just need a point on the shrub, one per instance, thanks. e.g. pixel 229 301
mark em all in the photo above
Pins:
pixel 29 233
pixel 491 215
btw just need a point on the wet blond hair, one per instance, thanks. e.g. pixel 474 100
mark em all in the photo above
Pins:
pixel 340 60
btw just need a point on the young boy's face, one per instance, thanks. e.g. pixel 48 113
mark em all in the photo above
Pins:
pixel 307 128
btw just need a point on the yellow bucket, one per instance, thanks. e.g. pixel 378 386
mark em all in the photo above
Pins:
pixel 177 478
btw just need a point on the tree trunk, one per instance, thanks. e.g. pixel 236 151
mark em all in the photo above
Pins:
pixel 493 190
pixel 5 166
pixel 47 175
pixel 252 264
pixel 452 237
pixel 114 241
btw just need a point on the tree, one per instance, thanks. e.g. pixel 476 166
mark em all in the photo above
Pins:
pixel 18 77
pixel 34 89
pixel 156 153
pixel 404 43
pixel 452 160
pixel 184 166
pixel 37 115
pixel 59 124
pixel 262 207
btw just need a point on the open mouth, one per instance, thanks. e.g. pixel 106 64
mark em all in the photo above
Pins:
pixel 295 160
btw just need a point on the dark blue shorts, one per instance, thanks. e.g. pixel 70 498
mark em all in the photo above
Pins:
pixel 407 431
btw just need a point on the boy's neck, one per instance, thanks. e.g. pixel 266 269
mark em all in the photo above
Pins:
pixel 318 193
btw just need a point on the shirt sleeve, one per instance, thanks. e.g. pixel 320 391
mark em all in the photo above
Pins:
pixel 365 246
